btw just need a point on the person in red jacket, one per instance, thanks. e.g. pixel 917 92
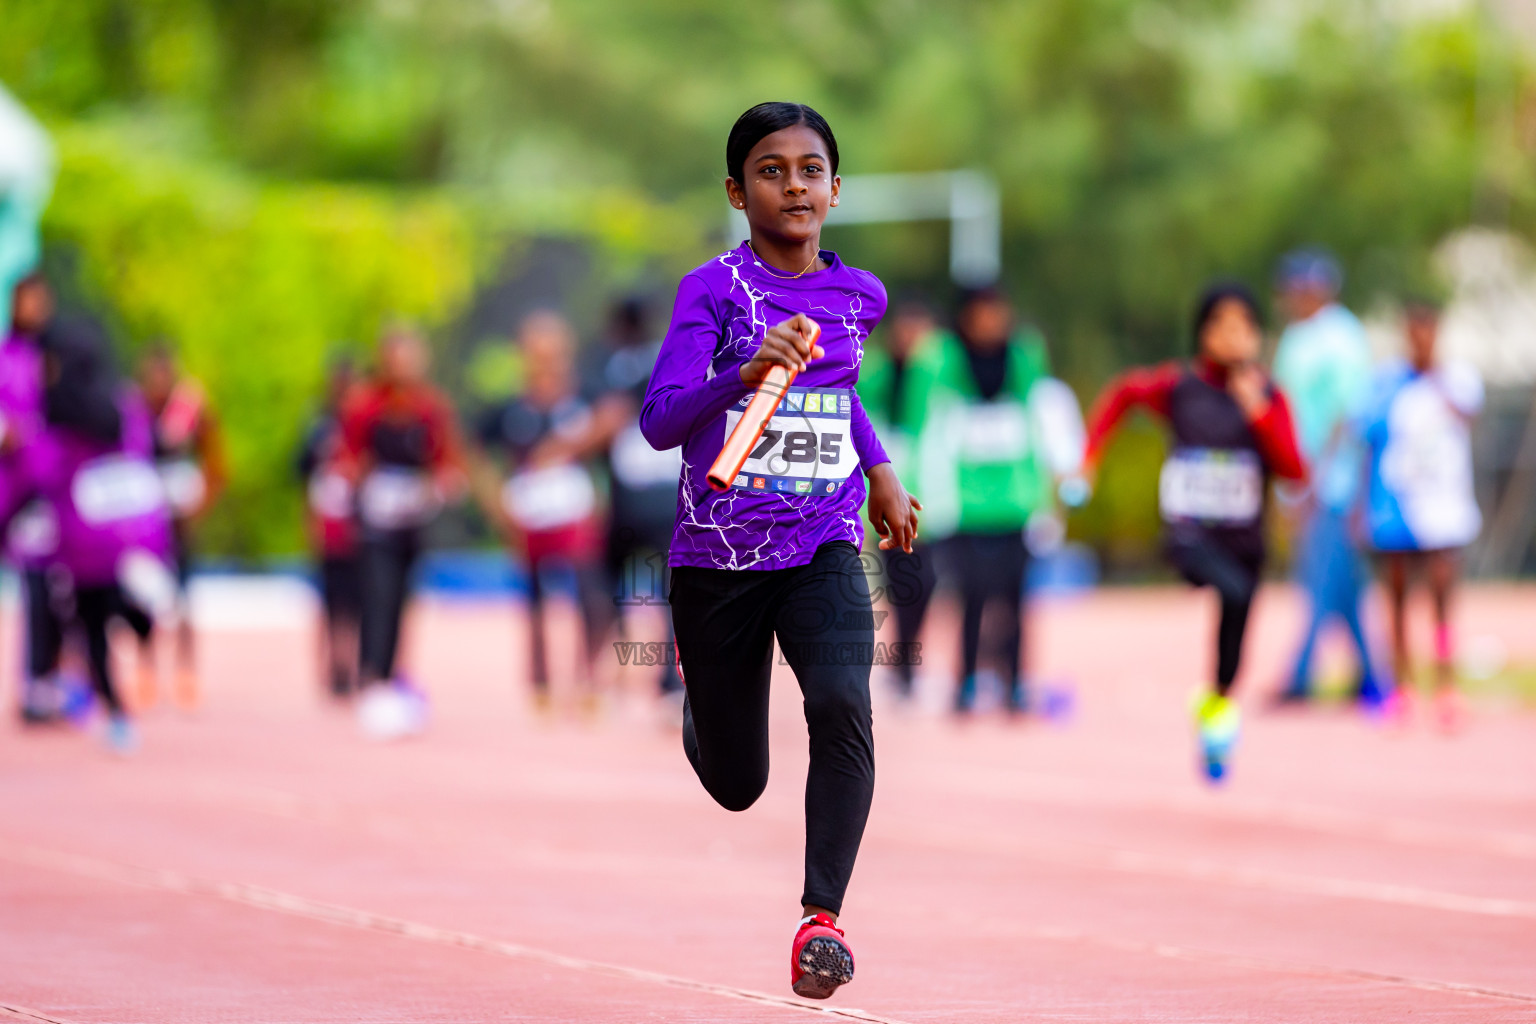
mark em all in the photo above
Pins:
pixel 400 449
pixel 1231 433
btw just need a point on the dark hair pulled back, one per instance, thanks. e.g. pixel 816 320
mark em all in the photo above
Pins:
pixel 1217 293
pixel 765 119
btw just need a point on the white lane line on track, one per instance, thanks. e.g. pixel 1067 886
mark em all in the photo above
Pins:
pixel 1035 788
pixel 9 1011
pixel 263 898
pixel 1209 956
pixel 1132 862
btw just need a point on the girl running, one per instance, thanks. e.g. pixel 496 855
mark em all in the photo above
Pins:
pixel 777 554
pixel 1231 433
pixel 1420 505
pixel 21 410
pixel 400 450
pixel 93 464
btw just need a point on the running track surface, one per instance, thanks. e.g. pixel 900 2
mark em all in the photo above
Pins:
pixel 262 862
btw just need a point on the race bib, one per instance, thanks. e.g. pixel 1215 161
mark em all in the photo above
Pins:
pixel 994 432
pixel 330 496
pixel 807 448
pixel 115 488
pixel 1217 486
pixel 184 484
pixel 637 465
pixel 549 498
pixel 396 498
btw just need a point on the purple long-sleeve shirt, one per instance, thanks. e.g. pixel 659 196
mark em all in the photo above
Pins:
pixel 803 487
pixel 21 412
pixel 107 496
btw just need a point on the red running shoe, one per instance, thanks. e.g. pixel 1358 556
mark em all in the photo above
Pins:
pixel 819 961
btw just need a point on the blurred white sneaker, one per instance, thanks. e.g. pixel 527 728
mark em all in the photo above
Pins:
pixel 389 711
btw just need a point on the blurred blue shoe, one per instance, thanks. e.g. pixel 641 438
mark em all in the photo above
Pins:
pixel 121 737
pixel 1017 700
pixel 1057 703
pixel 965 696
pixel 1373 696
pixel 77 699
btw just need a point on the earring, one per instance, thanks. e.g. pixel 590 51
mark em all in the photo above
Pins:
pixel 834 202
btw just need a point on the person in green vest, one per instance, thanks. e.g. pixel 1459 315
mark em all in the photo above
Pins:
pixel 980 471
pixel 884 378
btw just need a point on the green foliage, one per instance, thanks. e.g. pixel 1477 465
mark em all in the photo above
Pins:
pixel 253 285
pixel 277 174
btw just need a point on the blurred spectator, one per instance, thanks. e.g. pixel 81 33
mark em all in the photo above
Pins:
pixel 402 454
pixel 93 464
pixel 980 473
pixel 189 452
pixel 333 533
pixel 883 387
pixel 1420 506
pixel 547 504
pixel 643 481
pixel 33 533
pixel 1323 365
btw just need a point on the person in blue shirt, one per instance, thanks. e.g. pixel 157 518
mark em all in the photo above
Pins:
pixel 1323 363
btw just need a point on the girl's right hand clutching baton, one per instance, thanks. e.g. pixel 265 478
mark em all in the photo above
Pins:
pixel 787 344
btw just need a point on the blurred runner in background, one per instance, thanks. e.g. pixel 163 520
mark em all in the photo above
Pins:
pixel 543 495
pixel 94 464
pixel 402 454
pixel 333 533
pixel 885 388
pixel 1232 433
pixel 189 451
pixel 980 473
pixel 643 481
pixel 1323 363
pixel 1420 504
pixel 33 534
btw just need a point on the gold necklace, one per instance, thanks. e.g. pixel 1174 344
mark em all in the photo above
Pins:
pixel 783 277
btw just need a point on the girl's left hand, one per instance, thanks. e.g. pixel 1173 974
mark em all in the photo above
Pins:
pixel 892 511
pixel 1250 389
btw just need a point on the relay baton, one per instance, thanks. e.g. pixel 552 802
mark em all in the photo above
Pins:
pixel 754 420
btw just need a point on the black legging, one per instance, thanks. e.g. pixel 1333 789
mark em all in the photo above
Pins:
pixel 726 621
pixel 45 632
pixel 909 583
pixel 990 567
pixel 596 605
pixel 388 559
pixel 95 608
pixel 1206 563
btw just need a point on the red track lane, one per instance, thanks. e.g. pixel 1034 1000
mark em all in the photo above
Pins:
pixel 263 862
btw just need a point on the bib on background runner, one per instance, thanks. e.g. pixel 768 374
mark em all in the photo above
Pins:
pixel 994 432
pixel 549 498
pixel 330 495
pixel 114 488
pixel 1217 486
pixel 807 448
pixel 638 465
pixel 397 498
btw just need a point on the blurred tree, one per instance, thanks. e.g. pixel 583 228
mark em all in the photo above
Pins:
pixel 1143 146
